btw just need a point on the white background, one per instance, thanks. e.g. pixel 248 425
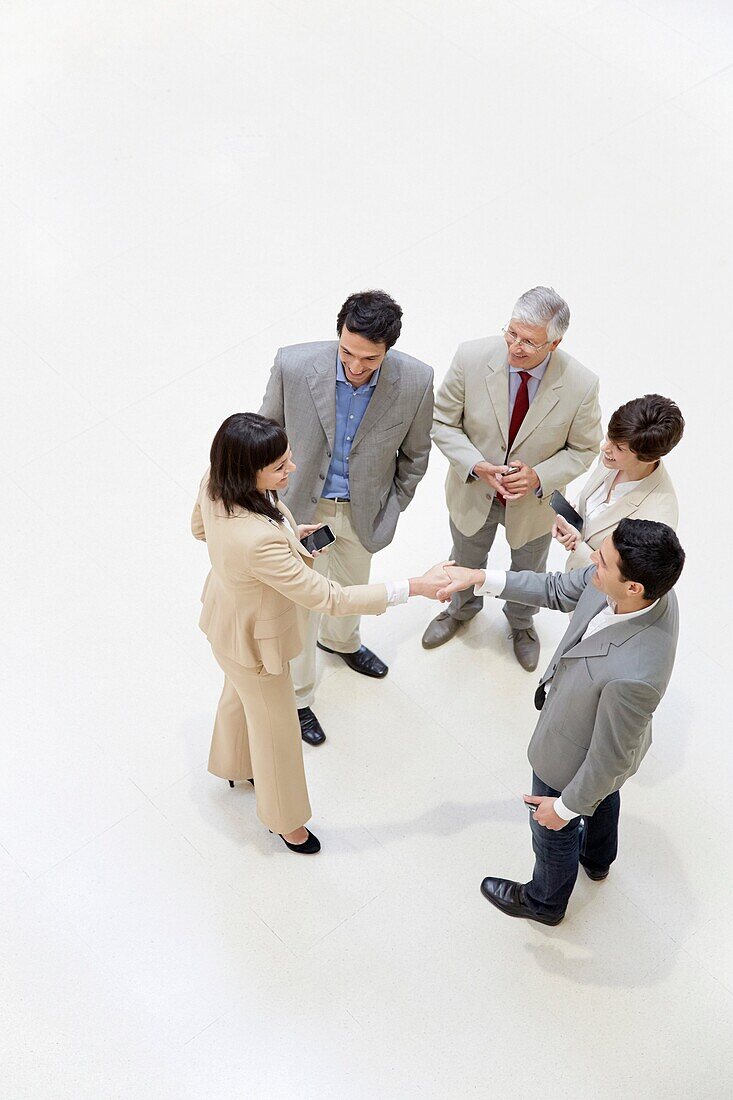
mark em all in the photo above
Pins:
pixel 186 186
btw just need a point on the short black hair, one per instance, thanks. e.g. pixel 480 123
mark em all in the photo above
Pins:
pixel 373 315
pixel 650 554
pixel 650 426
pixel 245 444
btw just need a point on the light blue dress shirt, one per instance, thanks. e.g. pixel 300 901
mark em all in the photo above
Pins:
pixel 351 404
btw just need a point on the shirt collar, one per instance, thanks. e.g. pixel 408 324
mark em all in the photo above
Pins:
pixel 610 609
pixel 341 376
pixel 537 371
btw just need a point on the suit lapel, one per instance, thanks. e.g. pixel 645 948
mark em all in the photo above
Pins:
pixel 497 383
pixel 383 398
pixel 289 528
pixel 597 475
pixel 615 634
pixel 625 506
pixel 544 400
pixel 322 383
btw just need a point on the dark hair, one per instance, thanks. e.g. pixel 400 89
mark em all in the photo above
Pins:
pixel 650 554
pixel 373 315
pixel 244 445
pixel 650 426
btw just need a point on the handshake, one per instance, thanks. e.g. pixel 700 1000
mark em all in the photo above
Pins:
pixel 442 580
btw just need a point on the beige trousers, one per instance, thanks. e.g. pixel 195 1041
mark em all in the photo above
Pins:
pixel 346 562
pixel 257 736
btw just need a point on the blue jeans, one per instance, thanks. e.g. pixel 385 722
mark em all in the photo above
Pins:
pixel 592 841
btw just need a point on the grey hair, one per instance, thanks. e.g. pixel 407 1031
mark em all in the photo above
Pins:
pixel 543 306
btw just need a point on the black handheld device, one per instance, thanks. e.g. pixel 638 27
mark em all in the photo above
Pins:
pixel 319 539
pixel 561 507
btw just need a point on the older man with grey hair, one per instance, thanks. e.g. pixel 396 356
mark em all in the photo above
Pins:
pixel 516 418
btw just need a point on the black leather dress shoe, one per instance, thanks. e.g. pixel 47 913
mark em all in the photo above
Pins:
pixel 310 727
pixel 597 874
pixel 507 896
pixel 363 661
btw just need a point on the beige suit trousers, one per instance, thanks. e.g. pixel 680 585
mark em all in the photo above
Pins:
pixel 257 736
pixel 346 562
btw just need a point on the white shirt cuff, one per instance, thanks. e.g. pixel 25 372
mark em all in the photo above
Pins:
pixel 562 810
pixel 397 592
pixel 494 583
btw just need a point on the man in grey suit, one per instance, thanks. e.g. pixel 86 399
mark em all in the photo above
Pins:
pixel 596 700
pixel 358 416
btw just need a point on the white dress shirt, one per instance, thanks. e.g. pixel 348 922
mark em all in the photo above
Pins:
pixel 495 583
pixel 596 504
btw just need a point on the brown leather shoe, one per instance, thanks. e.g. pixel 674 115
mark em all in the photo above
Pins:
pixel 440 630
pixel 526 648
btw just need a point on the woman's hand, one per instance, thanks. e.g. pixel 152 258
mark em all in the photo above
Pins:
pixel 308 529
pixel 567 535
pixel 429 583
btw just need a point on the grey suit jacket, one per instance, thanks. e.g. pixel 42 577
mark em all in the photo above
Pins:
pixel 390 451
pixel 596 724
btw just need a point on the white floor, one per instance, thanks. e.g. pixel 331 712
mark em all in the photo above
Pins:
pixel 185 187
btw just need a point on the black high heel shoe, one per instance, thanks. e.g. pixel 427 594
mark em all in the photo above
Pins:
pixel 231 782
pixel 308 848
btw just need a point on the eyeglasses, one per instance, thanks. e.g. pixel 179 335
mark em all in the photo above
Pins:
pixel 511 338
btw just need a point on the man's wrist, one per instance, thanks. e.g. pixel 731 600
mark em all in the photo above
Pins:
pixel 564 812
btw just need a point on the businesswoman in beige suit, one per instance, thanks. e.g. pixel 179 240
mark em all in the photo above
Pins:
pixel 260 579
pixel 629 480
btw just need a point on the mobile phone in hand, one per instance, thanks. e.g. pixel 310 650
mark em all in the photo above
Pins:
pixel 319 539
pixel 561 507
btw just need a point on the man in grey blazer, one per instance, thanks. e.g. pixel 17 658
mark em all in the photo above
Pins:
pixel 596 701
pixel 358 417
pixel 516 418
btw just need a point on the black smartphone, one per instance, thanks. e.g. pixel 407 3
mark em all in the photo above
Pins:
pixel 324 536
pixel 561 507
pixel 530 805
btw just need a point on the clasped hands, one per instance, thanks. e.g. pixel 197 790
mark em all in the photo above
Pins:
pixel 511 482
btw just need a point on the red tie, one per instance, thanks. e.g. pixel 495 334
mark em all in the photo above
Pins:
pixel 521 404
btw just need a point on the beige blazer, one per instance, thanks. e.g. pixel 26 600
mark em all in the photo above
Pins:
pixel 654 498
pixel 260 578
pixel 559 436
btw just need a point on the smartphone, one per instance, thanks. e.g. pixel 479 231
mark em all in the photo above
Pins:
pixel 319 539
pixel 530 805
pixel 560 506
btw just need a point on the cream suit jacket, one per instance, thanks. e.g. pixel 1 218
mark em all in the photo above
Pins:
pixel 559 437
pixel 260 578
pixel 654 498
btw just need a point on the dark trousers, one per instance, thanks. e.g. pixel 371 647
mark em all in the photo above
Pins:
pixel 592 841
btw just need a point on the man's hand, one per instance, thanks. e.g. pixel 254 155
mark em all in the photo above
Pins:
pixel 520 482
pixel 308 529
pixel 493 476
pixel 565 533
pixel 545 813
pixel 459 578
pixel 431 581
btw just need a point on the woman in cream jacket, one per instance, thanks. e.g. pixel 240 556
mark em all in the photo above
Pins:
pixel 260 579
pixel 629 481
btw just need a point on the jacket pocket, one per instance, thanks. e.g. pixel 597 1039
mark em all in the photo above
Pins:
pixel 278 640
pixel 280 624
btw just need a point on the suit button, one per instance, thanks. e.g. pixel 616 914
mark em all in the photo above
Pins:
pixel 328 453
pixel 322 477
pixel 313 500
pixel 488 496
